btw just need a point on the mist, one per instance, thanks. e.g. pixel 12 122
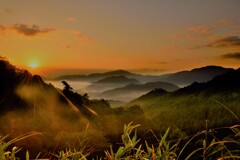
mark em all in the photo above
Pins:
pixel 64 118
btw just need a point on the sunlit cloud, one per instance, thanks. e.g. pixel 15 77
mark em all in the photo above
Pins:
pixel 74 37
pixel 201 30
pixel 235 55
pixel 25 29
pixel 83 37
pixel 229 41
pixel 71 19
pixel 213 30
pixel 222 21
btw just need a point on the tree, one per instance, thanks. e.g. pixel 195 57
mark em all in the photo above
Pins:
pixel 67 87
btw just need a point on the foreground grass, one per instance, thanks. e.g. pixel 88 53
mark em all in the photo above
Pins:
pixel 208 147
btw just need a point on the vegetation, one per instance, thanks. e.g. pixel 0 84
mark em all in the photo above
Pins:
pixel 73 126
pixel 187 110
pixel 208 147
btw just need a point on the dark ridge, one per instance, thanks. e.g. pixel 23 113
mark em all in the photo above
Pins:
pixel 118 79
pixel 202 74
pixel 154 93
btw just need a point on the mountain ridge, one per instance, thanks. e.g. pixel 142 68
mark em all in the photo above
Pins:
pixel 189 108
pixel 132 90
pixel 182 78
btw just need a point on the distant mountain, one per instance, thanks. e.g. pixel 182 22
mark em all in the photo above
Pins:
pixel 96 76
pixel 117 80
pixel 228 82
pixel 132 91
pixel 112 82
pixel 188 108
pixel 182 78
pixel 203 74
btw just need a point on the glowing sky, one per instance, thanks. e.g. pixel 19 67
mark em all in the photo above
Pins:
pixel 141 35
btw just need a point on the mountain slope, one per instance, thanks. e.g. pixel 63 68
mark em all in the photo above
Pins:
pixel 22 92
pixel 118 79
pixel 111 82
pixel 96 76
pixel 202 74
pixel 132 91
pixel 188 108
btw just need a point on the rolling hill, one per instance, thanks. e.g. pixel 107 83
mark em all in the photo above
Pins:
pixel 202 74
pixel 132 91
pixel 215 102
pixel 96 76
pixel 111 82
pixel 182 78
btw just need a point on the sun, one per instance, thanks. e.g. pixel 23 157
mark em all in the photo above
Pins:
pixel 33 65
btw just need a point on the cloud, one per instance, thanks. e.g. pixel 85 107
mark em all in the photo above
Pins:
pixel 71 19
pixel 235 55
pixel 30 31
pixel 209 31
pixel 26 30
pixel 229 41
pixel 222 21
pixel 201 30
pixel 8 10
pixel 82 37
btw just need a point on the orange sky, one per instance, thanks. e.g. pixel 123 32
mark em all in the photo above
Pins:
pixel 151 36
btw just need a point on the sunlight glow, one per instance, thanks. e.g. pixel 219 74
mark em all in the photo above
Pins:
pixel 33 65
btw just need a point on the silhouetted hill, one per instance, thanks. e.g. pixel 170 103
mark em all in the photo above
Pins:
pixel 118 79
pixel 96 76
pixel 21 91
pixel 182 78
pixel 112 82
pixel 154 93
pixel 132 91
pixel 228 82
pixel 202 74
pixel 188 108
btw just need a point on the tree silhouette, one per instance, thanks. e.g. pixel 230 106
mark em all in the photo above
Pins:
pixel 67 87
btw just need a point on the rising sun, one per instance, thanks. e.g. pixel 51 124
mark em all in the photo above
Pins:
pixel 33 65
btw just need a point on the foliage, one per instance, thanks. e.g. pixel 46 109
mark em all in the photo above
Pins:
pixel 69 154
pixel 11 154
pixel 189 112
pixel 131 148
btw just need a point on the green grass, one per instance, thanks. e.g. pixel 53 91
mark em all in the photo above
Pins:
pixel 188 113
pixel 210 147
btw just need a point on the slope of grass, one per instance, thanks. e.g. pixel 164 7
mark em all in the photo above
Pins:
pixel 190 112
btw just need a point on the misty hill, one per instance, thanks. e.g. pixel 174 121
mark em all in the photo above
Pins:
pixel 132 91
pixel 28 104
pixel 22 91
pixel 96 76
pixel 112 82
pixel 182 78
pixel 188 108
pixel 117 80
pixel 202 74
